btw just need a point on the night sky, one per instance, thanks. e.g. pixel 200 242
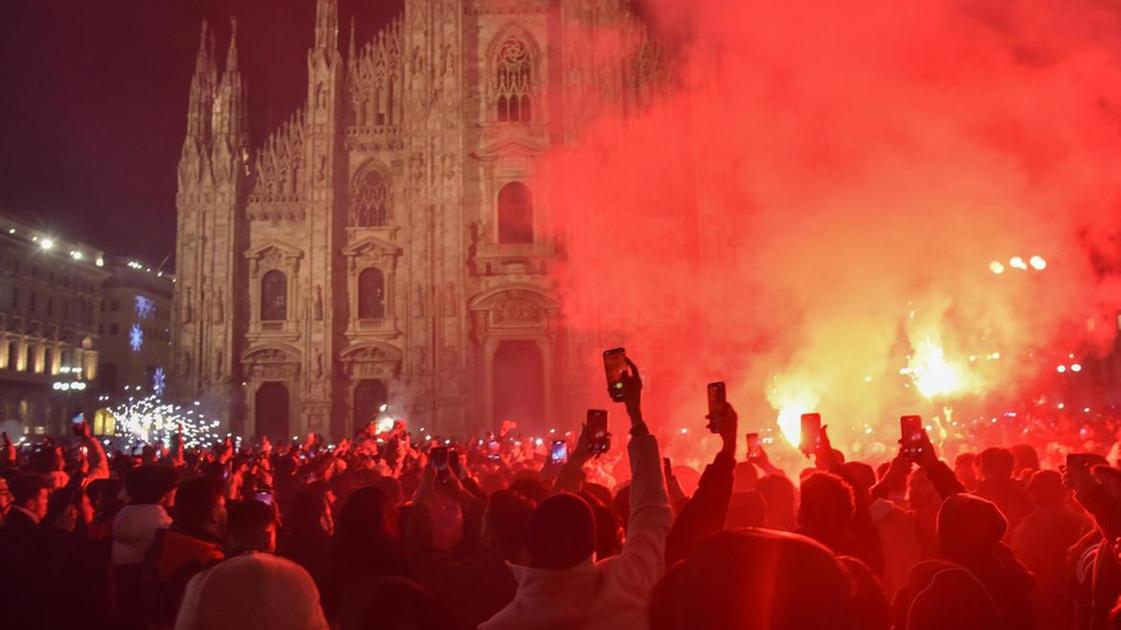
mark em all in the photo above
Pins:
pixel 93 103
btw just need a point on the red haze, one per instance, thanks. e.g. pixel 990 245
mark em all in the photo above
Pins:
pixel 822 191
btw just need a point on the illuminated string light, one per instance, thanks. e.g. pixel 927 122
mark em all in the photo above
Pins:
pixel 1038 263
pixel 1076 367
pixel 150 419
pixel 1018 263
pixel 136 338
pixel 1061 369
pixel 996 267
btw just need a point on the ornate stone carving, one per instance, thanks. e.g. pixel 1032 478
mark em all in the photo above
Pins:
pixel 518 308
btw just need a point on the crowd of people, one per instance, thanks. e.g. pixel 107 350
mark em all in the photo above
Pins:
pixel 388 530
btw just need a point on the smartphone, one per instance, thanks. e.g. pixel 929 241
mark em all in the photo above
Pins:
pixel 912 436
pixel 263 496
pixel 811 433
pixel 717 401
pixel 495 448
pixel 558 454
pixel 754 450
pixel 615 364
pixel 454 462
pixel 439 458
pixel 599 440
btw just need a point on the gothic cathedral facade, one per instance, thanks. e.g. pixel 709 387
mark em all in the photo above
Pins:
pixel 387 245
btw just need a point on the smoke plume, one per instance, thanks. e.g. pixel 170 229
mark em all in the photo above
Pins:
pixel 823 195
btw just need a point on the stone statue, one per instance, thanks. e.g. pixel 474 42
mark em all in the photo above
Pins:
pixel 318 302
pixel 317 367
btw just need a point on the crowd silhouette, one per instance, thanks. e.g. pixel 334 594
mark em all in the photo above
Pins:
pixel 387 530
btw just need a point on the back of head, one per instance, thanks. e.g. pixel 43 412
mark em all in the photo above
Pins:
pixel 745 477
pixel 364 517
pixel 27 486
pixel 827 501
pixel 251 591
pixel 870 607
pixel 532 487
pixel 1024 457
pixel 780 496
pixel 746 509
pixel 954 599
pixel 195 502
pixel 251 526
pixel 507 518
pixel 995 463
pixel 149 483
pixel 969 528
pixel 561 533
pixel 386 603
pixel 754 579
pixel 1046 488
pixel 608 529
pixel 862 475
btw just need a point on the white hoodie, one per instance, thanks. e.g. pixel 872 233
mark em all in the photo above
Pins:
pixel 133 530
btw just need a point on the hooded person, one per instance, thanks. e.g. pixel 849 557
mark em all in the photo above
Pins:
pixel 953 599
pixel 151 490
pixel 563 585
pixel 969 533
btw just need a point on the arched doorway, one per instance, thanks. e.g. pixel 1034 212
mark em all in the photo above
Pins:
pixel 369 396
pixel 271 411
pixel 519 386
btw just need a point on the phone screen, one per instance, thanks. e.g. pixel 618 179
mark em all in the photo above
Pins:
pixel 558 454
pixel 717 399
pixel 811 433
pixel 599 441
pixel 454 462
pixel 912 436
pixel 439 457
pixel 263 496
pixel 614 364
pixel 753 448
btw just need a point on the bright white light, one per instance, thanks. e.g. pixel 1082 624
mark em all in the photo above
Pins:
pixel 135 338
pixel 11 230
pixel 539 441
pixel 100 262
pixel 159 381
pixel 996 267
pixel 684 431
pixel 1086 410
pixel 76 255
pixel 384 406
pixel 1038 263
pixel 994 356
pixel 1077 367
pixel 1061 406
pixel 1018 263
pixel 47 243
pixel 1061 369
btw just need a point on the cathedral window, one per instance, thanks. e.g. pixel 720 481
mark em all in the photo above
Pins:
pixel 274 297
pixel 371 294
pixel 369 200
pixel 515 214
pixel 513 82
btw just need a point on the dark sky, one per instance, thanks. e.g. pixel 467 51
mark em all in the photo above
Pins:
pixel 93 103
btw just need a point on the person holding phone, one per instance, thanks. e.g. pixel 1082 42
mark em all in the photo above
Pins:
pixel 563 585
pixel 706 512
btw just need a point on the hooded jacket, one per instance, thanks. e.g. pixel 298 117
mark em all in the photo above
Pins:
pixel 133 530
pixel 613 593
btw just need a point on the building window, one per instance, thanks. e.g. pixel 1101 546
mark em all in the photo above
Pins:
pixel 369 200
pixel 15 298
pixel 513 82
pixel 113 328
pixel 371 294
pixel 50 307
pixel 515 214
pixel 115 306
pixel 274 297
pixel 31 306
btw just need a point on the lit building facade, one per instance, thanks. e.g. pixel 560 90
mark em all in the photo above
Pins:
pixel 388 244
pixel 49 300
pixel 134 324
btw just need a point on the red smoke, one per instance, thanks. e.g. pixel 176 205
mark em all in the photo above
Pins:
pixel 823 188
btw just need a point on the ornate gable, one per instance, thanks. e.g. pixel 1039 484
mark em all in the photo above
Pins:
pixel 277 192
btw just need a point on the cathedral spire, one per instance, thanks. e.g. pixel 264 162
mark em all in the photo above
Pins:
pixel 202 90
pixel 351 56
pixel 327 25
pixel 231 56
